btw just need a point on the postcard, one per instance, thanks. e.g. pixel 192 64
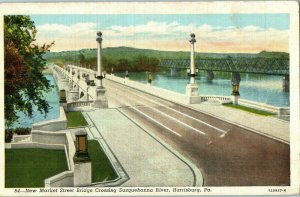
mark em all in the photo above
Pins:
pixel 149 98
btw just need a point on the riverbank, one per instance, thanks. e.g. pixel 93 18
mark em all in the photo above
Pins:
pixel 47 71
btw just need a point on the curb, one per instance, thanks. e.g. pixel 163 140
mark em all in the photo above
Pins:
pixel 198 178
pixel 122 175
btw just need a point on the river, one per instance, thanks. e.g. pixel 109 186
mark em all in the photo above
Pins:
pixel 52 97
pixel 254 87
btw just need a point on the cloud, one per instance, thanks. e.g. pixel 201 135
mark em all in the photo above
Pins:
pixel 166 36
pixel 151 27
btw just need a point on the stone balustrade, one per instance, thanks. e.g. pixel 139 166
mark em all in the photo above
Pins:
pixel 75 104
pixel 20 138
pixel 221 99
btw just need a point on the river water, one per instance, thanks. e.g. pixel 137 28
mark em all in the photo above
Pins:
pixel 52 97
pixel 254 87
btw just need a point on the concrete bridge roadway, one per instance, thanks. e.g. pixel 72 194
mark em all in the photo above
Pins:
pixel 227 155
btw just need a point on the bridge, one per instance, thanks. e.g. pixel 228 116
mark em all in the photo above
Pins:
pixel 198 135
pixel 197 131
pixel 267 66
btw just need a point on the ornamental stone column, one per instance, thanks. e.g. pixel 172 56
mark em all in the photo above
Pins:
pixel 100 100
pixel 192 88
pixel 193 73
pixel 99 58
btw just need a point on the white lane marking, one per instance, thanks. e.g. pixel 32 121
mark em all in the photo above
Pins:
pixel 184 124
pixel 209 125
pixel 179 112
pixel 176 120
pixel 164 126
pixel 159 123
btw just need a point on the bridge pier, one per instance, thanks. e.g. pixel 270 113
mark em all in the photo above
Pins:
pixel 235 77
pixel 149 78
pixel 286 83
pixel 126 74
pixel 173 71
pixel 209 75
pixel 73 95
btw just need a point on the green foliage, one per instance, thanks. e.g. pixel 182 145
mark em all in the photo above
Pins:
pixel 8 136
pixel 81 58
pixel 273 54
pixel 75 119
pixel 133 59
pixel 251 110
pixel 23 65
pixel 120 58
pixel 101 166
pixel 19 131
pixel 30 167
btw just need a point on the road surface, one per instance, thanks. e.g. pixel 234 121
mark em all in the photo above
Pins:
pixel 226 154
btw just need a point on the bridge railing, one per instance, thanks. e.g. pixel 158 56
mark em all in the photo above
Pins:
pixel 75 104
pixel 221 99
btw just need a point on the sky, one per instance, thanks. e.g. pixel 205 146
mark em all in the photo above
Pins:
pixel 216 33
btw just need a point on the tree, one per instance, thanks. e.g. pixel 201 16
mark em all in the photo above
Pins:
pixel 81 59
pixel 23 66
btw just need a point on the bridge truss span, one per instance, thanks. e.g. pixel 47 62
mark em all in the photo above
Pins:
pixel 268 66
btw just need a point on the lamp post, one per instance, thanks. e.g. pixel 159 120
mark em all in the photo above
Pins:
pixel 100 101
pixel 82 161
pixel 149 77
pixel 192 88
pixel 81 153
pixel 99 58
pixel 235 81
pixel 235 89
pixel 73 73
pixel 193 73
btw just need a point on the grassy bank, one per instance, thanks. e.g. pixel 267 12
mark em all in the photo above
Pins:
pixel 251 110
pixel 30 167
pixel 75 119
pixel 101 166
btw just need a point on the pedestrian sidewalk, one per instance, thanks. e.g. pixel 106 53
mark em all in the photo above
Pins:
pixel 266 125
pixel 146 161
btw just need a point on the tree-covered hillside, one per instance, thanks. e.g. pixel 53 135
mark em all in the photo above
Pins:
pixel 133 59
